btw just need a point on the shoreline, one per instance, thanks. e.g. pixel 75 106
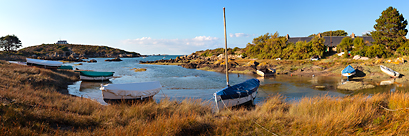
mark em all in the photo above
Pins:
pixel 32 104
pixel 368 71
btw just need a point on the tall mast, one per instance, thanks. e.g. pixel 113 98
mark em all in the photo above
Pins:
pixel 225 47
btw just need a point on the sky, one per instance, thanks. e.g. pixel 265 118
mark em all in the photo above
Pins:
pixel 181 27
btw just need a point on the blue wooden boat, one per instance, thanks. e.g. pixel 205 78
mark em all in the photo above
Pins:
pixel 348 71
pixel 237 94
pixel 95 75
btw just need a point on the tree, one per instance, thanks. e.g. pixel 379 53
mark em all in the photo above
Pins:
pixel 377 50
pixel 390 29
pixel 9 43
pixel 404 49
pixel 332 33
pixel 345 46
pixel 359 47
pixel 318 46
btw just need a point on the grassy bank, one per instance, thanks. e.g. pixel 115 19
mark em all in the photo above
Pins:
pixel 31 104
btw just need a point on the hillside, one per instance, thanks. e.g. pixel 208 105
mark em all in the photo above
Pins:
pixel 75 50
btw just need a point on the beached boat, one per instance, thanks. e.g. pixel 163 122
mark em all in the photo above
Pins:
pixel 266 72
pixel 49 64
pixel 130 92
pixel 66 67
pixel 389 71
pixel 348 71
pixel 237 94
pixel 95 75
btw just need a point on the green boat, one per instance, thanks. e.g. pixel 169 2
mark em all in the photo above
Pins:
pixel 95 75
pixel 67 67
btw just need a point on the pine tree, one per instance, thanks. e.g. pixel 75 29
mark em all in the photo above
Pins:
pixel 390 29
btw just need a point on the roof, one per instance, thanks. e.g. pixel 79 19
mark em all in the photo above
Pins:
pixel 328 39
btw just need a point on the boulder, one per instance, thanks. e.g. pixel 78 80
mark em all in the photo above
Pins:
pixel 116 59
pixel 92 61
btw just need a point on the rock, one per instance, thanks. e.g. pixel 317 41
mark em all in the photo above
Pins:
pixel 364 58
pixel 189 65
pixel 353 85
pixel 92 61
pixel 116 59
pixel 356 57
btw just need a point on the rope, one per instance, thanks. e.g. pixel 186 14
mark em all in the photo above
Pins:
pixel 164 95
pixel 394 109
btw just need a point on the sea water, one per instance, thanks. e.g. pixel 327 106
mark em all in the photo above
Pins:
pixel 179 83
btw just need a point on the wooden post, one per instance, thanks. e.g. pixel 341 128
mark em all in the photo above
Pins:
pixel 225 48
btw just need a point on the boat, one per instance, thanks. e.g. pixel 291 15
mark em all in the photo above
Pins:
pixel 389 71
pixel 95 75
pixel 66 67
pixel 130 92
pixel 348 71
pixel 266 72
pixel 49 64
pixel 238 94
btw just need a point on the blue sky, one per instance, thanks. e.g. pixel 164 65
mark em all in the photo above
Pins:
pixel 182 27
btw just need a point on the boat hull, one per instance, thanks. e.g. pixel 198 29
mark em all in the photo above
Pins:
pixel 237 94
pixel 130 91
pixel 389 71
pixel 110 97
pixel 348 74
pixel 87 78
pixel 267 72
pixel 220 103
pixel 348 71
pixel 48 64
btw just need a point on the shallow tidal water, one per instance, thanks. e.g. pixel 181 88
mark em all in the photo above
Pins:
pixel 179 83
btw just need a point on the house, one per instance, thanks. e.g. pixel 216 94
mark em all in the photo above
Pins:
pixel 62 42
pixel 330 41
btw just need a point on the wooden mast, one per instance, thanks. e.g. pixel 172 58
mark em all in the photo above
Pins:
pixel 225 47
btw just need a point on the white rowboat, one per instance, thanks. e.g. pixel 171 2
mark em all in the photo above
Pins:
pixel 130 91
pixel 389 71
pixel 43 63
pixel 266 72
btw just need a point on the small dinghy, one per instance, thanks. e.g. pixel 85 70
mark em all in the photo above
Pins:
pixel 48 64
pixel 348 71
pixel 389 71
pixel 95 75
pixel 237 94
pixel 266 72
pixel 130 92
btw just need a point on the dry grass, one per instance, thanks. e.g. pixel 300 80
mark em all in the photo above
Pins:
pixel 35 107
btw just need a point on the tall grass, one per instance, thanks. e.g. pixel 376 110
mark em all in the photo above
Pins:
pixel 36 107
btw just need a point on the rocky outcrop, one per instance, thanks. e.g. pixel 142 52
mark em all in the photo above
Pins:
pixel 116 59
pixel 61 58
pixel 92 61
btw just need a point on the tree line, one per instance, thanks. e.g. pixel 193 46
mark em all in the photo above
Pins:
pixel 389 38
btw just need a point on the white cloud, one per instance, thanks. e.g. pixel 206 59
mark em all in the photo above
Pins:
pixel 239 35
pixel 147 45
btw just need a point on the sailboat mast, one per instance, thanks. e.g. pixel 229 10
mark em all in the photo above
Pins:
pixel 225 48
